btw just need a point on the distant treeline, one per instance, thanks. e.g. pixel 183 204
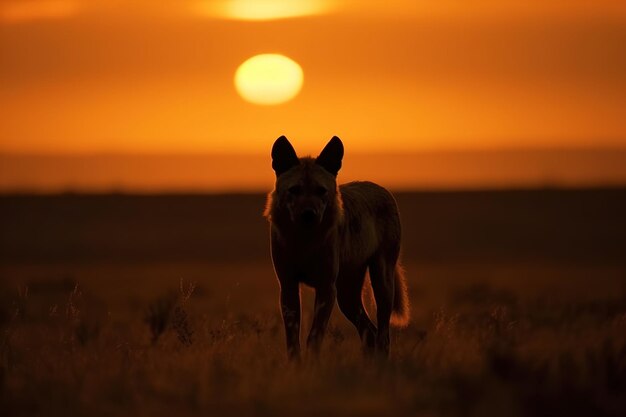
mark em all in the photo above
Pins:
pixel 587 226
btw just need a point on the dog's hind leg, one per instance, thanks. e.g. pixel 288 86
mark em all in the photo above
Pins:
pixel 349 287
pixel 382 267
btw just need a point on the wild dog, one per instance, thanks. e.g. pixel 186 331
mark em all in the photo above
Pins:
pixel 327 237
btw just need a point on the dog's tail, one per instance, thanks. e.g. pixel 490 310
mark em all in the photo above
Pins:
pixel 400 313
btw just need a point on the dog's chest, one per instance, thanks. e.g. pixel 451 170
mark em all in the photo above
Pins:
pixel 314 271
pixel 314 267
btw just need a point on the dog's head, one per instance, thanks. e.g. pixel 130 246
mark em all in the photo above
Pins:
pixel 306 188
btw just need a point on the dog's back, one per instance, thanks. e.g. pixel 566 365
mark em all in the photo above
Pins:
pixel 370 221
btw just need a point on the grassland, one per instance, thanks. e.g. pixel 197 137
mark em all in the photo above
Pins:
pixel 104 311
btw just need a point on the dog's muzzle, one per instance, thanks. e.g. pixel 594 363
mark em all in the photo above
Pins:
pixel 308 217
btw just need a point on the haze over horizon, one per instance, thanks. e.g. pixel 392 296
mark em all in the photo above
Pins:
pixel 237 172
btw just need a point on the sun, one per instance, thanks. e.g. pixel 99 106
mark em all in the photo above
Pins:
pixel 268 79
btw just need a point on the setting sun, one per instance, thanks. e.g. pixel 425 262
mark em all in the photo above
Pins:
pixel 268 79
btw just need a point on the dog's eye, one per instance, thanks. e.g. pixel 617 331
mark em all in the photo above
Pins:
pixel 295 190
pixel 321 191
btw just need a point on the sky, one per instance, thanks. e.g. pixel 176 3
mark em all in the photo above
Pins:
pixel 92 76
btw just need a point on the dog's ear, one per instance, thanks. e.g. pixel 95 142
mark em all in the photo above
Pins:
pixel 283 156
pixel 331 156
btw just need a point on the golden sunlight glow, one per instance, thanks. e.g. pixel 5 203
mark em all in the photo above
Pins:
pixel 20 11
pixel 268 79
pixel 261 9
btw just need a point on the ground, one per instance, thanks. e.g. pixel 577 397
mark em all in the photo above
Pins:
pixel 155 305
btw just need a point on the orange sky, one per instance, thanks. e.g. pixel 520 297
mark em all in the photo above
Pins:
pixel 100 76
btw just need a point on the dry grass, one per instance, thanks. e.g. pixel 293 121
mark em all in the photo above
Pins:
pixel 481 350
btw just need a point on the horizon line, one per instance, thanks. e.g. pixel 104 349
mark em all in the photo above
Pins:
pixel 123 153
pixel 254 191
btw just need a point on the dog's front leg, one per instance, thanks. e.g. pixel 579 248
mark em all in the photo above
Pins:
pixel 324 303
pixel 290 309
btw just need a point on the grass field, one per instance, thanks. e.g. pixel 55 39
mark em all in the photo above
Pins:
pixel 161 305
